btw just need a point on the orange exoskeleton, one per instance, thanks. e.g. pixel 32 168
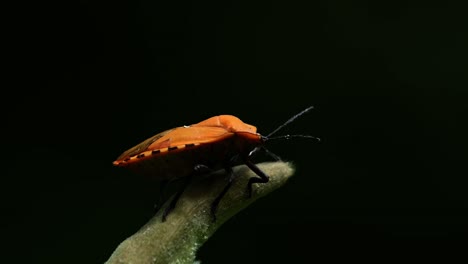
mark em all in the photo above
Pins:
pixel 215 143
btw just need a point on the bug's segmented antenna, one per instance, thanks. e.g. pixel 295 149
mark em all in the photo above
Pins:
pixel 290 120
pixel 294 136
pixel 267 138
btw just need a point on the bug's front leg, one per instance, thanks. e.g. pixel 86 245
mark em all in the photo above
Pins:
pixel 263 177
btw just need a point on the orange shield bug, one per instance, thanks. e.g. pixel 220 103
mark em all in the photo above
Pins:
pixel 215 143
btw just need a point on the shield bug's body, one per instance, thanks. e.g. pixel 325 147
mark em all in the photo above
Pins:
pixel 214 143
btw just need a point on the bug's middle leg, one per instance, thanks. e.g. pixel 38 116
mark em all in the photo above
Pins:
pixel 214 205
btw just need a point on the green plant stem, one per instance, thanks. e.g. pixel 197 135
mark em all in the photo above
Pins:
pixel 190 224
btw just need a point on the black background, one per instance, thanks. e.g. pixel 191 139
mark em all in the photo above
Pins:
pixel 387 79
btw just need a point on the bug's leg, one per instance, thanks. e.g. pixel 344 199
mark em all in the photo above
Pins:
pixel 198 169
pixel 176 198
pixel 202 169
pixel 271 154
pixel 162 187
pixel 263 177
pixel 214 205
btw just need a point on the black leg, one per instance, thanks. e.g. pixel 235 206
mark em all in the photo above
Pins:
pixel 162 187
pixel 176 198
pixel 214 205
pixel 201 169
pixel 271 154
pixel 263 177
pixel 198 169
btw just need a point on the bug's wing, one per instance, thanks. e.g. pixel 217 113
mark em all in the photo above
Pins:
pixel 143 145
pixel 177 137
pixel 190 135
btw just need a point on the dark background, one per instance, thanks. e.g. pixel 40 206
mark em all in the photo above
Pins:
pixel 388 81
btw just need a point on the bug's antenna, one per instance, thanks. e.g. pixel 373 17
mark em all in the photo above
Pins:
pixel 268 138
pixel 290 120
pixel 294 136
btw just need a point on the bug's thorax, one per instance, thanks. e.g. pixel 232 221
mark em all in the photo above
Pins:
pixel 245 136
pixel 245 142
pixel 230 123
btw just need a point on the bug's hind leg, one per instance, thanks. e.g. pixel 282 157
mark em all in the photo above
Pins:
pixel 174 200
pixel 198 169
pixel 263 177
pixel 214 205
pixel 162 188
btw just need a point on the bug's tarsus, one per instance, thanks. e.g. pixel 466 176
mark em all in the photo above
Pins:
pixel 214 205
pixel 263 177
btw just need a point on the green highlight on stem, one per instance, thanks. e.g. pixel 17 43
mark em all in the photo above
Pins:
pixel 190 224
